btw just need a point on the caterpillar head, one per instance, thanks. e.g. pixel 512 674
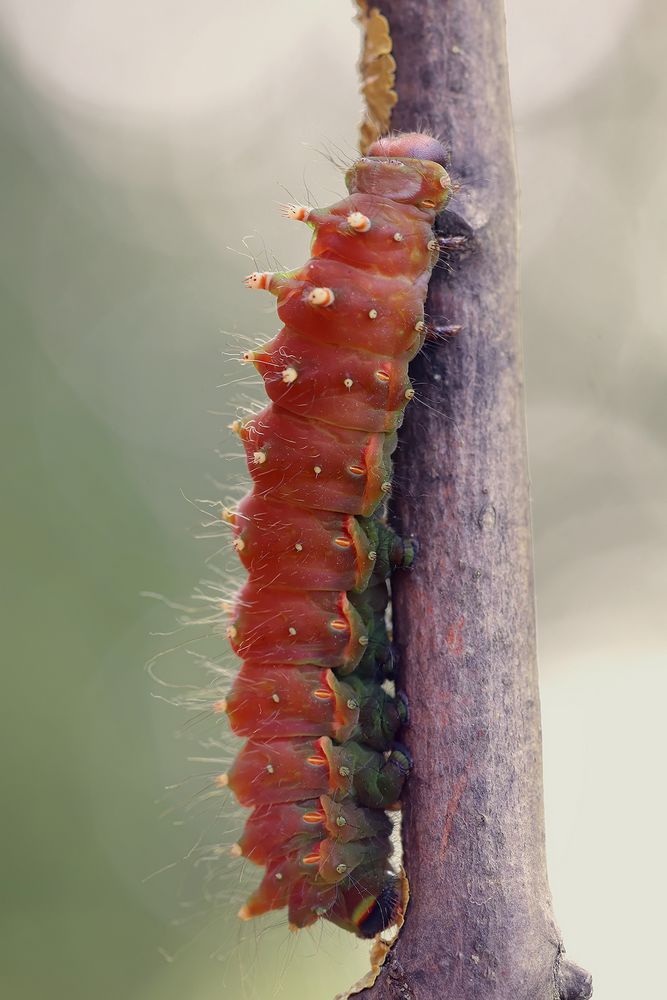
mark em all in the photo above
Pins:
pixel 407 168
pixel 412 146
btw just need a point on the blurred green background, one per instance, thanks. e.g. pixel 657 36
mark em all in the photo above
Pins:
pixel 140 140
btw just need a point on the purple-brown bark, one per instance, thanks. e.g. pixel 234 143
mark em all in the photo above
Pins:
pixel 479 923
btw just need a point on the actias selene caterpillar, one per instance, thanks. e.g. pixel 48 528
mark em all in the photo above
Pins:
pixel 321 764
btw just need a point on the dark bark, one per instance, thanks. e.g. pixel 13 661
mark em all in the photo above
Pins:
pixel 479 923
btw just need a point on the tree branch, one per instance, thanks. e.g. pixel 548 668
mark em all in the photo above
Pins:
pixel 479 923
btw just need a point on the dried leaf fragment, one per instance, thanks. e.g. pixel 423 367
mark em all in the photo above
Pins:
pixel 378 72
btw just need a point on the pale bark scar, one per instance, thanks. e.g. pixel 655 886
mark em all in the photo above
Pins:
pixel 452 808
pixel 454 637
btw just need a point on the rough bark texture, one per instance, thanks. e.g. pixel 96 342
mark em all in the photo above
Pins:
pixel 479 923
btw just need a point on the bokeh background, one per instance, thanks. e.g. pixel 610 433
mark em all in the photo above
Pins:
pixel 140 141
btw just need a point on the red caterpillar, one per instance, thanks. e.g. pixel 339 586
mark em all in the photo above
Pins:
pixel 321 764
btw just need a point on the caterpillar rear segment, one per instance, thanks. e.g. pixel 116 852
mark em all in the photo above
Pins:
pixel 312 702
pixel 321 764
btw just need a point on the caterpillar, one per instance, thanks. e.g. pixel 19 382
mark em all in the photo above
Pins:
pixel 321 764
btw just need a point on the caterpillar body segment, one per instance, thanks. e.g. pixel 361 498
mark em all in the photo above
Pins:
pixel 275 830
pixel 297 548
pixel 353 389
pixel 321 764
pixel 282 770
pixel 347 323
pixel 312 464
pixel 311 703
